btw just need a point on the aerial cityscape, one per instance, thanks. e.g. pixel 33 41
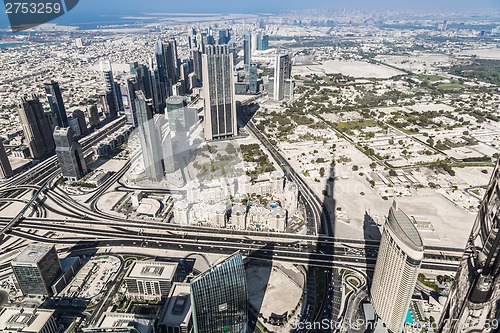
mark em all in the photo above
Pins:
pixel 215 167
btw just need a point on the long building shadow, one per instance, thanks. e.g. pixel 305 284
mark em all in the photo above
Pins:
pixel 258 265
pixel 371 233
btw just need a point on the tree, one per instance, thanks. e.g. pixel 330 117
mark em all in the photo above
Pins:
pixel 373 165
pixel 392 173
pixel 322 171
pixel 355 168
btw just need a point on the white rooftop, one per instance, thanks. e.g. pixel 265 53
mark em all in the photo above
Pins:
pixel 177 310
pixel 152 270
pixel 24 319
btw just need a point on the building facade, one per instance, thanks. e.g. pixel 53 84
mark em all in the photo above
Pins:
pixel 5 167
pixel 54 97
pixel 36 268
pixel 399 258
pixel 150 139
pixel 282 73
pixel 218 93
pixel 219 298
pixel 473 304
pixel 69 154
pixel 176 314
pixel 111 87
pixel 150 280
pixel 36 127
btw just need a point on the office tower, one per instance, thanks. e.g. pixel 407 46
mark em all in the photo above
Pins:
pixel 36 127
pixel 253 80
pixel 175 113
pixel 163 83
pixel 128 97
pixel 80 116
pixel 168 64
pixel 247 49
pixel 474 299
pixel 257 41
pixel 150 138
pixel 143 79
pixel 196 56
pixel 184 77
pixel 192 42
pixel 107 104
pixel 36 268
pixel 282 72
pixel 218 92
pixel 219 298
pixel 150 280
pixel 69 154
pixel 265 43
pixel 399 257
pixel 111 87
pixel 93 115
pixel 5 167
pixel 54 97
pixel 224 36
pixel 75 126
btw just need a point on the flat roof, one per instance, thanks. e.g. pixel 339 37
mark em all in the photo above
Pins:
pixel 33 253
pixel 152 270
pixel 177 310
pixel 24 319
pixel 143 324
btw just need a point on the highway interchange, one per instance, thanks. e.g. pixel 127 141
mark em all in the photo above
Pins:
pixel 82 226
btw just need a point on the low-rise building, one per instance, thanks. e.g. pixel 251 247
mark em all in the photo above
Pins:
pixel 176 314
pixel 150 280
pixel 29 320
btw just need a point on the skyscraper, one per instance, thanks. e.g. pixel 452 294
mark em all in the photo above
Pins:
pixel 54 97
pixel 36 268
pixel 175 113
pixel 111 87
pixel 5 167
pixel 93 115
pixel 80 116
pixel 247 49
pixel 399 258
pixel 69 154
pixel 36 127
pixel 265 43
pixel 219 298
pixel 218 93
pixel 474 299
pixel 150 139
pixel 282 72
pixel 196 57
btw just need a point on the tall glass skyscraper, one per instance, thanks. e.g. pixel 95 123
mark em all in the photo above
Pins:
pixel 69 154
pixel 150 138
pixel 218 93
pixel 474 301
pixel 219 298
pixel 54 97
pixel 36 127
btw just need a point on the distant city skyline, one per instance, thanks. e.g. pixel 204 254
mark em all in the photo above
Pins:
pixel 94 10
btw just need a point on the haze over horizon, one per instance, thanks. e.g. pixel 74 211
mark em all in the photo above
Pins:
pixel 92 9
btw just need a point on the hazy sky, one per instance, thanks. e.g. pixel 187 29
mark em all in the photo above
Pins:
pixel 274 5
pixel 90 10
